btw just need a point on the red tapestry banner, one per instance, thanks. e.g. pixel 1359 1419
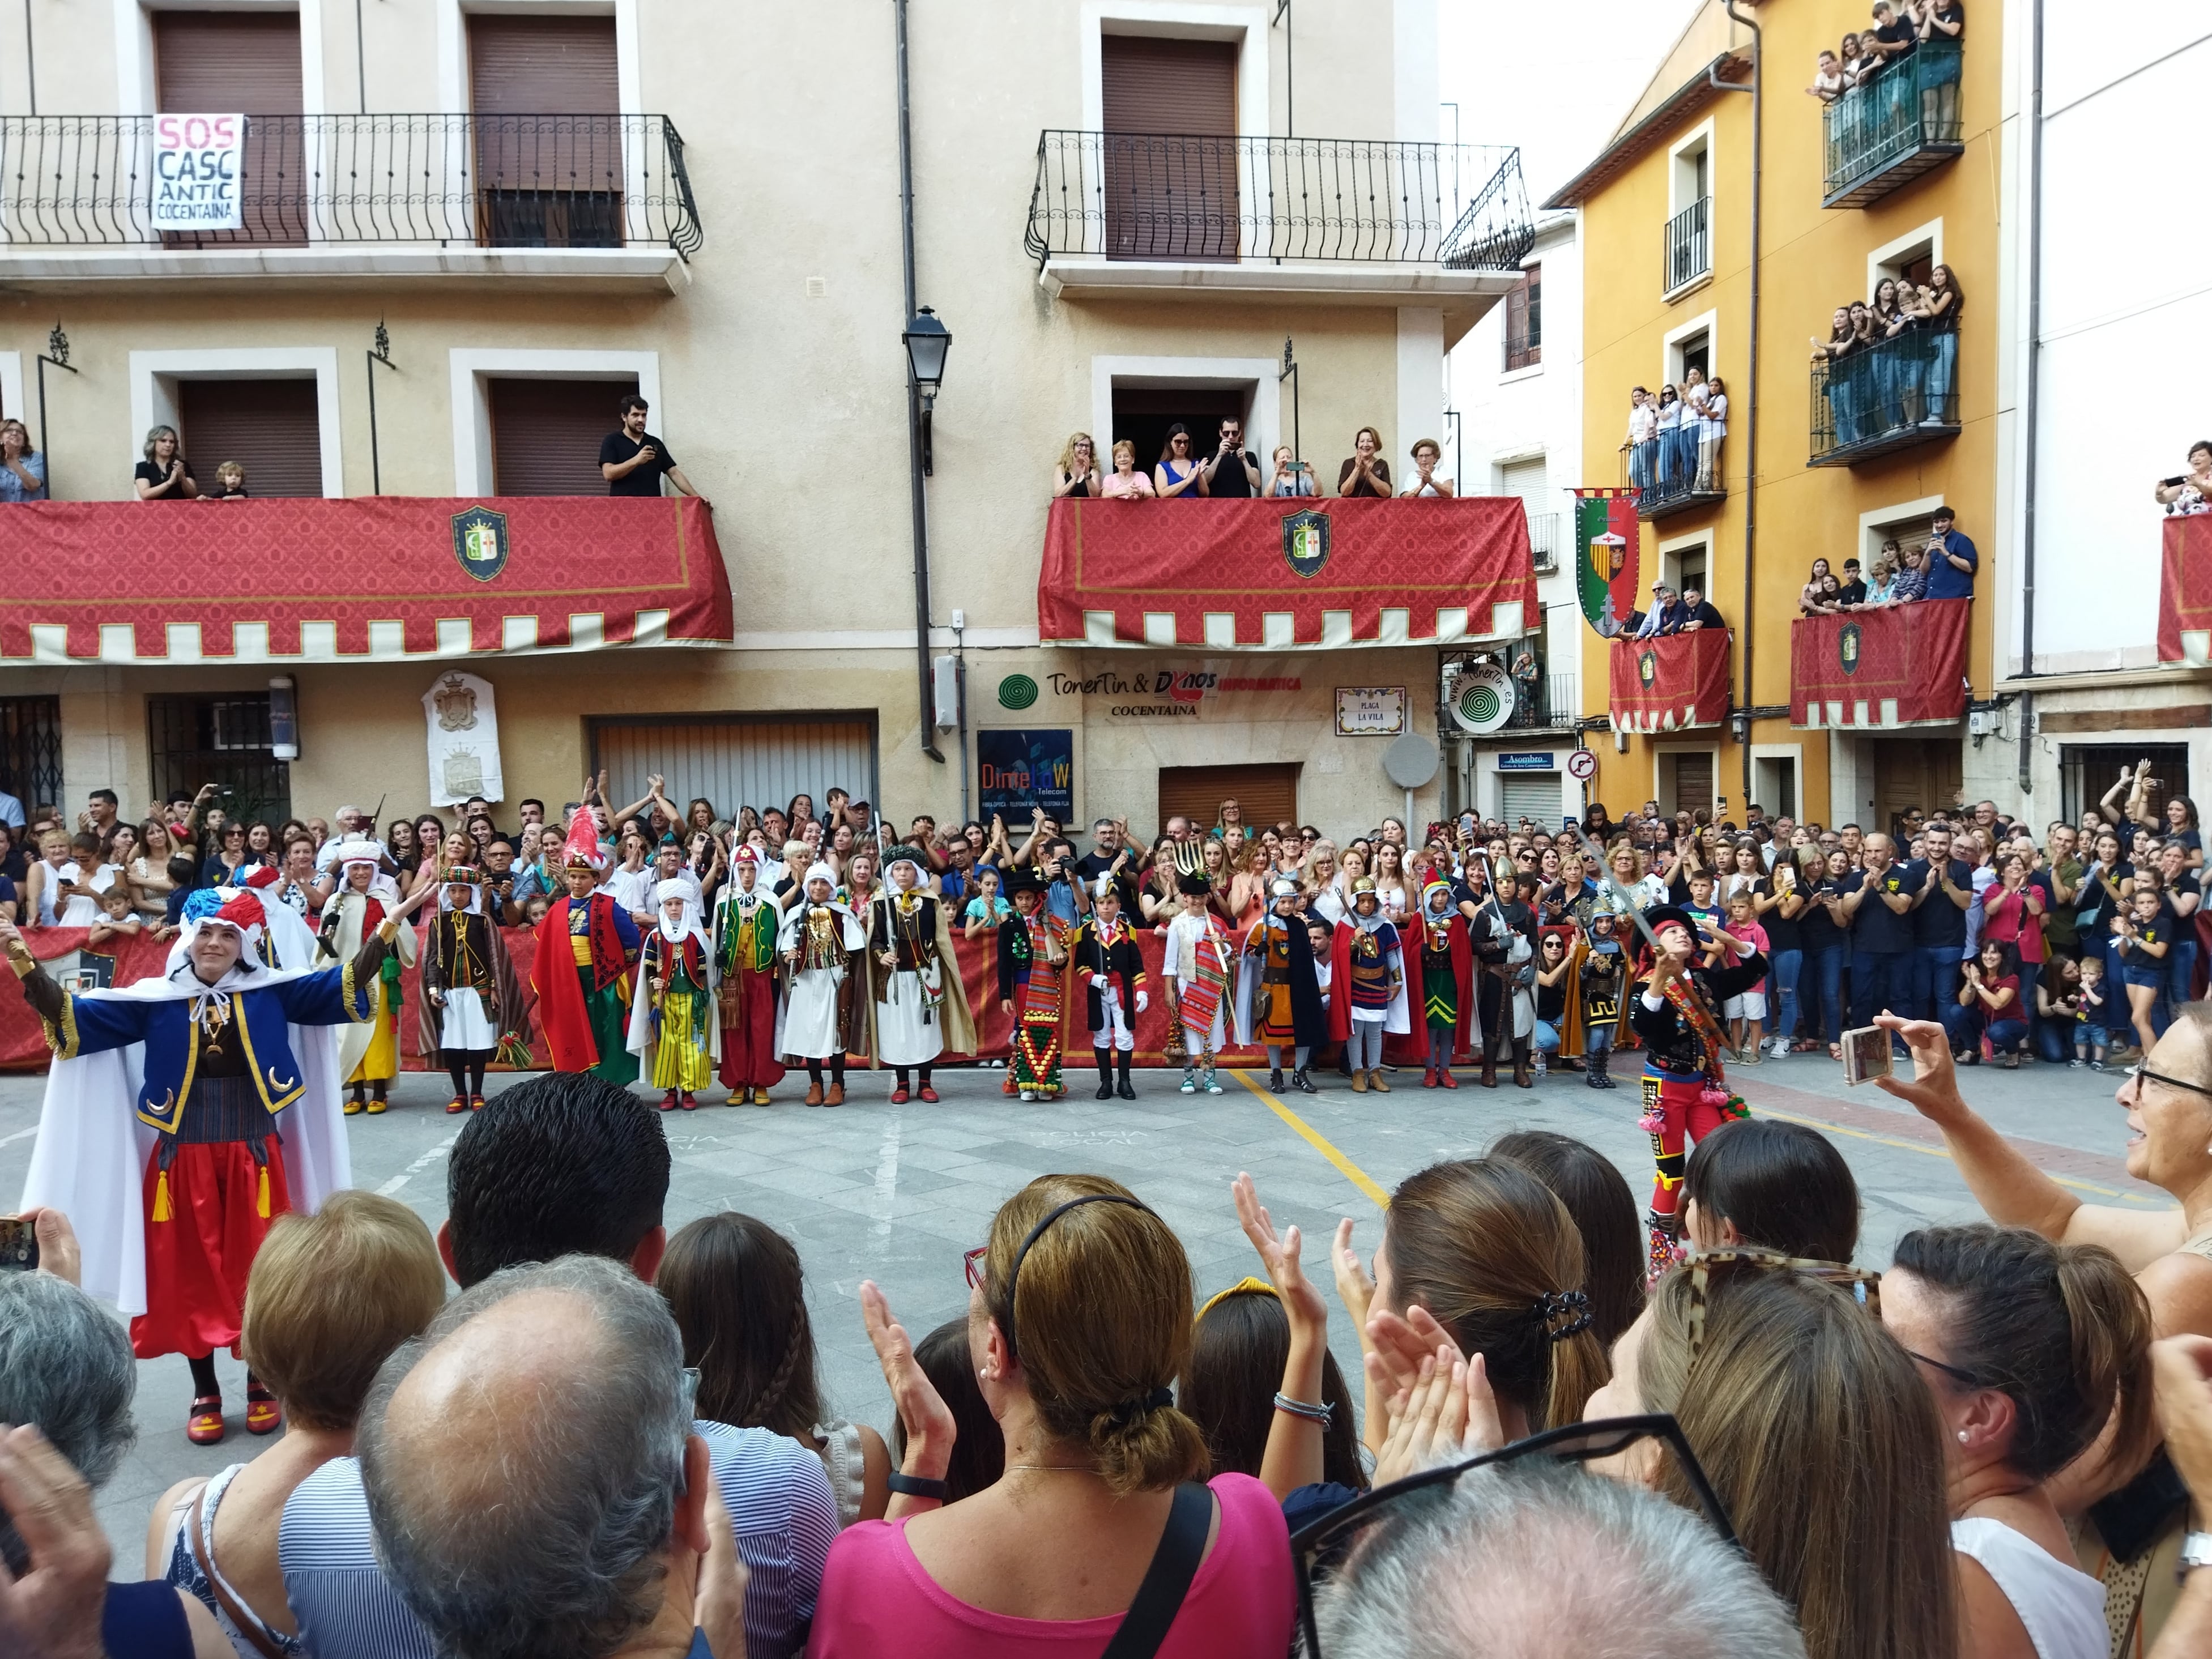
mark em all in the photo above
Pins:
pixel 1671 683
pixel 1900 666
pixel 1287 575
pixel 378 578
pixel 2185 592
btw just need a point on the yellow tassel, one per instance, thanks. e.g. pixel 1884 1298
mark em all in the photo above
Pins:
pixel 261 1205
pixel 161 1195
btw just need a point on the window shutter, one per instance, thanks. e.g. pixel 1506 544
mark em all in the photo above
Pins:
pixel 1170 157
pixel 545 95
pixel 238 63
pixel 1268 794
pixel 546 435
pixel 1694 782
pixel 272 428
pixel 542 66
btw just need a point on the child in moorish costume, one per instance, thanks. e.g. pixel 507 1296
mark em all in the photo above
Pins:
pixel 370 1052
pixel 1106 963
pixel 469 993
pixel 183 1114
pixel 1368 986
pixel 747 921
pixel 586 946
pixel 1676 1011
pixel 674 1030
pixel 1594 993
pixel 817 940
pixel 1198 965
pixel 1448 1006
pixel 917 1004
pixel 1277 996
pixel 1033 987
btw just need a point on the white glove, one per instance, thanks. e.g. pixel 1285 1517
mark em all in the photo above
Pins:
pixel 1098 981
pixel 1143 1002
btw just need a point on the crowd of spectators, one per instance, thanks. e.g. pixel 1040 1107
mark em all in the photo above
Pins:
pixel 1891 362
pixel 1897 33
pixel 1674 442
pixel 1942 567
pixel 1233 470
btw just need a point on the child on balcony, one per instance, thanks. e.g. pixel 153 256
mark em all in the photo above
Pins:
pixel 229 483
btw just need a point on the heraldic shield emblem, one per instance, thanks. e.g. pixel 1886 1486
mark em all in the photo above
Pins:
pixel 456 704
pixel 1305 542
pixel 1647 667
pixel 1847 648
pixel 480 542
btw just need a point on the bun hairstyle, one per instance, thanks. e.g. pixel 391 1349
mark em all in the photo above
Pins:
pixel 1604 1213
pixel 1486 1249
pixel 736 1288
pixel 1092 1293
pixel 1784 1186
pixel 2061 1330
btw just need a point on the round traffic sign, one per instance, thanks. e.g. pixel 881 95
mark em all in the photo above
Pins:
pixel 1581 765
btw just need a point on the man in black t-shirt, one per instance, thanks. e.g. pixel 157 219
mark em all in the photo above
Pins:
pixel 1852 594
pixel 1877 907
pixel 1942 889
pixel 1893 37
pixel 1699 614
pixel 633 460
pixel 1110 855
pixel 1231 470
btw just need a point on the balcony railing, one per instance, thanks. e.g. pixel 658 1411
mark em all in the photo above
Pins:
pixel 1689 250
pixel 1888 396
pixel 1886 132
pixel 1542 528
pixel 1673 473
pixel 1548 703
pixel 497 181
pixel 1218 200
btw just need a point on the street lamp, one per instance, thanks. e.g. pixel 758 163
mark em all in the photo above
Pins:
pixel 927 340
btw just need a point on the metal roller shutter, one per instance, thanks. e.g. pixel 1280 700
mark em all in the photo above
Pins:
pixel 235 62
pixel 545 93
pixel 739 761
pixel 1525 479
pixel 542 66
pixel 1268 794
pixel 1531 795
pixel 271 428
pixel 546 435
pixel 1171 160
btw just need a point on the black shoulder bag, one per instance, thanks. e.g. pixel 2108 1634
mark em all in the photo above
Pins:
pixel 1167 1581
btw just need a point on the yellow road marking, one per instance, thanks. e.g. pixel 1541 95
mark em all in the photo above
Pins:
pixel 1313 1138
pixel 1942 1152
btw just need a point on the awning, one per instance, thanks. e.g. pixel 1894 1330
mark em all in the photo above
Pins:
pixel 2185 592
pixel 1286 575
pixel 1900 666
pixel 1670 682
pixel 369 579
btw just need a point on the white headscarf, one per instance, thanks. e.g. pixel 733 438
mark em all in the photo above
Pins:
pixel 474 907
pixel 820 871
pixel 689 924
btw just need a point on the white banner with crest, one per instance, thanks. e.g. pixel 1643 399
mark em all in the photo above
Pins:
pixel 463 722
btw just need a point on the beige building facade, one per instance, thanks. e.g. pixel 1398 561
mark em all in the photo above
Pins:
pixel 535 207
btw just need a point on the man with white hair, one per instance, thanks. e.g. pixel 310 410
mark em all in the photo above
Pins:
pixel 588 1524
pixel 161 1133
pixel 1477 1574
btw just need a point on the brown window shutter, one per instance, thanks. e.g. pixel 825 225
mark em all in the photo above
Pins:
pixel 542 66
pixel 546 435
pixel 270 427
pixel 1267 794
pixel 1170 166
pixel 225 63
pixel 546 98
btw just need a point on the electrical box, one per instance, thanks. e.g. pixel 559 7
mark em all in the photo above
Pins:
pixel 944 691
pixel 1984 722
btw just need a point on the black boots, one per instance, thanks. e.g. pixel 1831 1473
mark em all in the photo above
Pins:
pixel 1105 1059
pixel 1123 1089
pixel 1523 1076
pixel 1302 1080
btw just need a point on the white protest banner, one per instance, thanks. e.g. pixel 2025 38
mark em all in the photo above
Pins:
pixel 197 162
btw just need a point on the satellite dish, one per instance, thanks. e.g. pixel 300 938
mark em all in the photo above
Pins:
pixel 1482 698
pixel 1411 761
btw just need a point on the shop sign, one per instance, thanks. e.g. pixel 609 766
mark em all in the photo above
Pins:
pixel 1527 760
pixel 1020 771
pixel 1169 690
pixel 1370 711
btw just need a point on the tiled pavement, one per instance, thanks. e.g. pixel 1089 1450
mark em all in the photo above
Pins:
pixel 897 1194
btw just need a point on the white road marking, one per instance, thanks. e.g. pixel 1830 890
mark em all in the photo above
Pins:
pixel 418 1166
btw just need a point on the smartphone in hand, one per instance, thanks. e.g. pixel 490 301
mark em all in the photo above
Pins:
pixel 1866 1054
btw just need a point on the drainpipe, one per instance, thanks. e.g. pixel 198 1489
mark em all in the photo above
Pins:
pixel 1751 380
pixel 924 708
pixel 2025 777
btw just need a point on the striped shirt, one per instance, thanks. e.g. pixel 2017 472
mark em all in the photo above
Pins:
pixel 776 1491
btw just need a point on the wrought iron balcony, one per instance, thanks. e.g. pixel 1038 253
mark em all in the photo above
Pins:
pixel 1689 251
pixel 459 180
pixel 1548 703
pixel 1193 199
pixel 1542 528
pixel 1889 396
pixel 1886 131
pixel 1666 474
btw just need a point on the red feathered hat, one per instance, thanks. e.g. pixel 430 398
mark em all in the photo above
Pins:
pixel 581 850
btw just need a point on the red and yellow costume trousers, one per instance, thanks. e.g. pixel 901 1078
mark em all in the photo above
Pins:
pixel 210 1192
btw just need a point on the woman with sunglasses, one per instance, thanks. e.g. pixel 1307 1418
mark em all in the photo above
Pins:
pixel 2031 1351
pixel 1078 1321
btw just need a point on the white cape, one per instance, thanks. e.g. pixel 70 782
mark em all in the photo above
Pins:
pixel 92 1150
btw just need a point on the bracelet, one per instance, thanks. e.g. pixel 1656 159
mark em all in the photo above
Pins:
pixel 917 1485
pixel 1307 1409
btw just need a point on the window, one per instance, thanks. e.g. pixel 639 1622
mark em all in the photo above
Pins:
pixel 546 434
pixel 1266 794
pixel 31 750
pixel 740 760
pixel 1684 567
pixel 1691 351
pixel 222 739
pixel 1144 414
pixel 2086 772
pixel 1524 321
pixel 223 63
pixel 1686 780
pixel 271 428
pixel 1526 480
pixel 1688 244
pixel 1774 777
pixel 546 95
pixel 1171 160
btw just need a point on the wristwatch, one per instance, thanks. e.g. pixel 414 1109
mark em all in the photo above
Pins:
pixel 2196 1552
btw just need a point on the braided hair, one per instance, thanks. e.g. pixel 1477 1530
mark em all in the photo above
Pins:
pixel 736 1288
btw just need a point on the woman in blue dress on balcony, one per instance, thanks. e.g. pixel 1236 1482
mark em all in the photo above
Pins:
pixel 1177 473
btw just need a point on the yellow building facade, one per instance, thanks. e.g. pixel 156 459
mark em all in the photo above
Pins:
pixel 1886 185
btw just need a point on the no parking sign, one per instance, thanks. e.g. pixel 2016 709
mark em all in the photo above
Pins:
pixel 196 171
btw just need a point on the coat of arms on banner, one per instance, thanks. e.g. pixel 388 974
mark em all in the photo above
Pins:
pixel 480 542
pixel 464 774
pixel 1647 667
pixel 1305 542
pixel 1606 532
pixel 1847 648
pixel 456 704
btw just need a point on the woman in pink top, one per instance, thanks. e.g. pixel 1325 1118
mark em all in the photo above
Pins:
pixel 1078 1320
pixel 1125 483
